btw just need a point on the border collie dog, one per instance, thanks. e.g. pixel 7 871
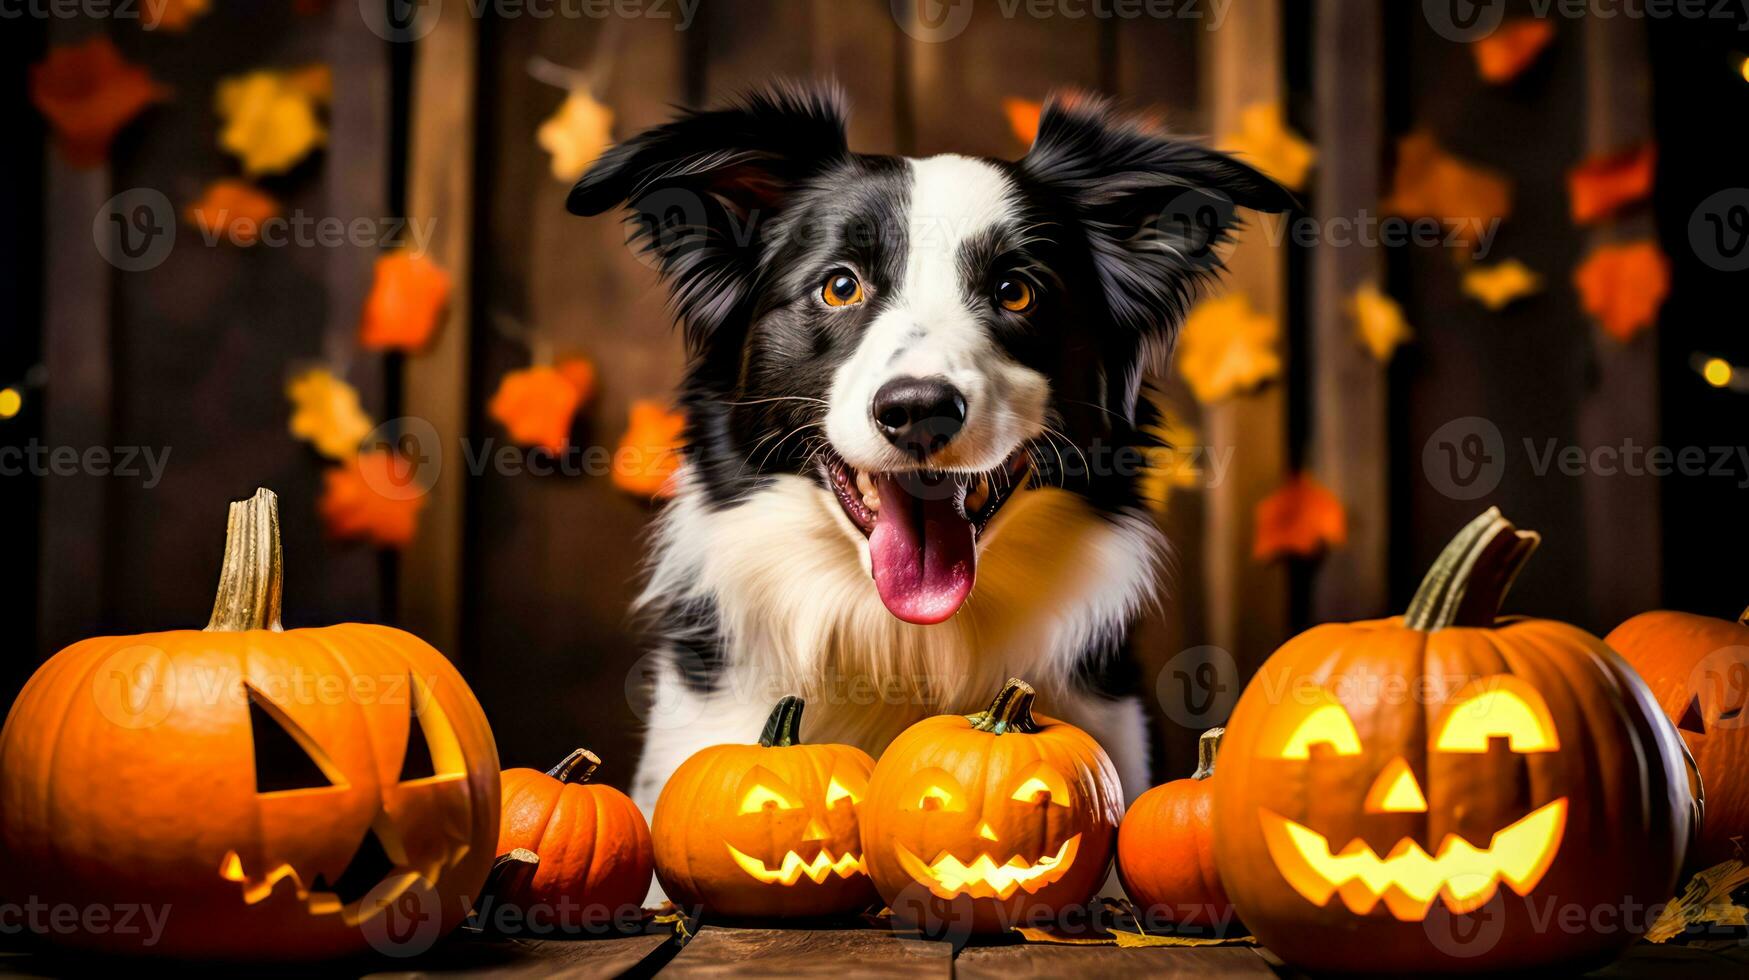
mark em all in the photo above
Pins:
pixel 914 433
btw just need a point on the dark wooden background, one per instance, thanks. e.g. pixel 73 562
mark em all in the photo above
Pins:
pixel 525 580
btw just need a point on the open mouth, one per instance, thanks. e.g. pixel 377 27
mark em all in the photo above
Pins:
pixel 1408 879
pixel 371 882
pixel 794 868
pixel 923 529
pixel 949 877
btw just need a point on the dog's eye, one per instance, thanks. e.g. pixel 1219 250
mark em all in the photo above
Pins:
pixel 1014 295
pixel 841 289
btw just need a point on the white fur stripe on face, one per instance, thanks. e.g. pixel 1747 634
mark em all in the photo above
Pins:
pixel 931 329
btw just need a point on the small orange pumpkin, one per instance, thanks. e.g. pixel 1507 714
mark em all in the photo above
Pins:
pixel 1698 669
pixel 766 830
pixel 993 820
pixel 593 844
pixel 1166 847
pixel 290 794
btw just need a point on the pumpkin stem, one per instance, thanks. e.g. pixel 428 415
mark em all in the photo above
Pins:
pixel 566 770
pixel 1470 578
pixel 1010 712
pixel 249 582
pixel 784 727
pixel 1206 748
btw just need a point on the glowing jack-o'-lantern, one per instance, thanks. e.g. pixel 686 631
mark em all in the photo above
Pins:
pixel 1386 779
pixel 767 830
pixel 993 820
pixel 279 791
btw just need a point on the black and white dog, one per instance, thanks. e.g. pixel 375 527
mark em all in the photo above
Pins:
pixel 914 436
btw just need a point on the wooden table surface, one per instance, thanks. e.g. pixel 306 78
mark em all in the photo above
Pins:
pixel 734 951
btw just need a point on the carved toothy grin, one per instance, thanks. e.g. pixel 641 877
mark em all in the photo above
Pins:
pixel 949 877
pixel 1408 879
pixel 793 868
pixel 371 882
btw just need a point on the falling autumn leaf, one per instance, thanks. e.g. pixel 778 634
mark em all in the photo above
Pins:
pixel 326 413
pixel 1227 348
pixel 1172 465
pixel 173 15
pixel 88 93
pixel 270 119
pixel 374 497
pixel 538 404
pixel 1023 117
pixel 1513 47
pixel 576 134
pixel 580 371
pixel 406 302
pixel 1623 286
pixel 1378 321
pixel 649 453
pixel 1430 183
pixel 1497 286
pixel 1603 185
pixel 233 210
pixel 1301 518
pixel 1265 142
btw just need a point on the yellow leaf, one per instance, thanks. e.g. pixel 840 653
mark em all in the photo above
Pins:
pixel 1033 934
pixel 1227 348
pixel 1496 286
pixel 326 413
pixel 270 121
pixel 1265 142
pixel 1132 940
pixel 1378 321
pixel 576 134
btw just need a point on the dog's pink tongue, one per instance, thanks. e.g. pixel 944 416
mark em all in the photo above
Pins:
pixel 922 549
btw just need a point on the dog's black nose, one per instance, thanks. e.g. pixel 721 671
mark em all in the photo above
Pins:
pixel 919 415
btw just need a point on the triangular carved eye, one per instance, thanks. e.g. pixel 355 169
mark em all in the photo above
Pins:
pixel 416 762
pixel 1692 720
pixel 285 758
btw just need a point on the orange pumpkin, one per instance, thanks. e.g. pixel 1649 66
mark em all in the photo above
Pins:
pixel 986 822
pixel 593 844
pixel 288 794
pixel 766 830
pixel 1698 669
pixel 1166 848
pixel 1421 793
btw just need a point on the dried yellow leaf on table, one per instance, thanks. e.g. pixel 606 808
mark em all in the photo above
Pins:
pixel 1378 321
pixel 576 134
pixel 326 413
pixel 1707 899
pixel 270 120
pixel 1227 348
pixel 1497 286
pixel 1265 142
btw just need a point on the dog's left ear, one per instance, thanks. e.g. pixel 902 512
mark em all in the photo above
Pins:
pixel 1155 208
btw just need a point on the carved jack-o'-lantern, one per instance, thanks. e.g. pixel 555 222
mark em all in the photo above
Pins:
pixel 766 830
pixel 280 793
pixel 993 820
pixel 1424 793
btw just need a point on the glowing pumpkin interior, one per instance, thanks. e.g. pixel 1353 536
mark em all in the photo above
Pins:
pixel 993 873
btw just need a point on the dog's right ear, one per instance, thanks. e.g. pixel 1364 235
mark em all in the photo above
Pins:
pixel 702 190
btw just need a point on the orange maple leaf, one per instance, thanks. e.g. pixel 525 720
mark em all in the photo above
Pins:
pixel 231 209
pixel 1513 47
pixel 1623 286
pixel 538 405
pixel 1431 183
pixel 1605 184
pixel 1301 518
pixel 173 15
pixel 649 453
pixel 88 93
pixel 405 304
pixel 375 497
pixel 1023 117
